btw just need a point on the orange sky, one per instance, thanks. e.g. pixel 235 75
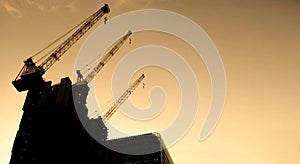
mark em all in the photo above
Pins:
pixel 259 45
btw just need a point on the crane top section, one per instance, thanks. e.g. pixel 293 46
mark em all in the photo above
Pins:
pixel 73 38
pixel 30 75
pixel 103 60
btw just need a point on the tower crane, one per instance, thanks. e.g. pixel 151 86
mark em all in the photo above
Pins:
pixel 81 88
pixel 31 74
pixel 122 99
pixel 103 61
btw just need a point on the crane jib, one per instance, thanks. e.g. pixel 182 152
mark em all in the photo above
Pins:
pixel 106 57
pixel 122 99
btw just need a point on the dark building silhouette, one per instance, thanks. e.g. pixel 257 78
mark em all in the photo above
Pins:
pixel 145 148
pixel 51 131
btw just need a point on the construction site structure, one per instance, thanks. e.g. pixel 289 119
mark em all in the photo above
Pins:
pixel 51 131
pixel 55 127
pixel 31 74
pixel 145 148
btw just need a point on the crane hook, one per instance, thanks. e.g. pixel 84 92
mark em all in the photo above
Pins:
pixel 79 75
pixel 105 20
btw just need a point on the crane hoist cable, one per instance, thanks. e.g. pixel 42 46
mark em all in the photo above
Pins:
pixel 56 40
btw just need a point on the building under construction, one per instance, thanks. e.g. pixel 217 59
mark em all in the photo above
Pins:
pixel 55 127
pixel 51 131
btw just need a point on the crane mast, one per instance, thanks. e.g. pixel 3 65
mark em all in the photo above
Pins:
pixel 104 60
pixel 122 99
pixel 31 74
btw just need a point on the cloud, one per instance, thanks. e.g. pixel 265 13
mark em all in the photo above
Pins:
pixel 10 9
pixel 121 3
pixel 72 6
pixel 52 5
pixel 17 8
pixel 140 3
